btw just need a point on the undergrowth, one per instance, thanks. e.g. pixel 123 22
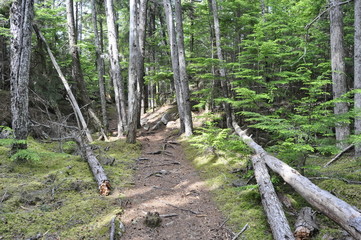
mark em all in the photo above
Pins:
pixel 56 195
pixel 228 162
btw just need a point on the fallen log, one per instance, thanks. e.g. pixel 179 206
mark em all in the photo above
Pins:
pixel 271 204
pixel 95 166
pixel 336 209
pixel 305 224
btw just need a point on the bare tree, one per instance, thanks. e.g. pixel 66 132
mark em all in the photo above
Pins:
pixel 222 70
pixel 339 83
pixel 100 65
pixel 134 73
pixel 21 17
pixel 179 76
pixel 115 70
pixel 357 75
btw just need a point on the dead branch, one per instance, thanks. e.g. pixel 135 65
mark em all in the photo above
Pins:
pixel 168 215
pixel 339 155
pixel 182 209
pixel 240 232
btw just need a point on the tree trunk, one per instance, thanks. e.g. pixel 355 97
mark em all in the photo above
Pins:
pixel 222 70
pixel 305 225
pixel 100 66
pixel 339 83
pixel 133 77
pixel 357 75
pixel 70 94
pixel 77 74
pixel 336 209
pixel 175 61
pixel 188 124
pixel 115 70
pixel 95 166
pixel 20 25
pixel 272 206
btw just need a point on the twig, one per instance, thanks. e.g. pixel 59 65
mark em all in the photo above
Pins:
pixel 338 155
pixel 183 209
pixel 224 222
pixel 168 215
pixel 112 229
pixel 4 196
pixel 342 179
pixel 238 234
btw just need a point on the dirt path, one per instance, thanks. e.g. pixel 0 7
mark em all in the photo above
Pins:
pixel 167 183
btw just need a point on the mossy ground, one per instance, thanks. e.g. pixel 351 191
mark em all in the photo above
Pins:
pixel 243 205
pixel 56 195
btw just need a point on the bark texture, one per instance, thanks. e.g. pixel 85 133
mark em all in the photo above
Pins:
pixel 339 84
pixel 133 74
pixel 336 209
pixel 222 70
pixel 21 16
pixel 115 70
pixel 272 206
pixel 357 73
pixel 305 225
pixel 100 65
pixel 184 85
pixel 96 167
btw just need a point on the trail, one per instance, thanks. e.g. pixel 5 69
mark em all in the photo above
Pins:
pixel 166 182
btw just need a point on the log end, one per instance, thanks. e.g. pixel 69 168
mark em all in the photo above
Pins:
pixel 104 188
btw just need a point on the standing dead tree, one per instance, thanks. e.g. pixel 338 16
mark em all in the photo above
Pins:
pixel 336 209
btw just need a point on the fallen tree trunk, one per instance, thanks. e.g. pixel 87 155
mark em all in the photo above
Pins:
pixel 96 168
pixel 336 209
pixel 305 225
pixel 272 206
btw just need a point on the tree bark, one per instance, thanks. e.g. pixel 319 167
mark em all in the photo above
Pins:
pixel 76 70
pixel 305 225
pixel 70 94
pixel 20 51
pixel 272 206
pixel 134 73
pixel 115 70
pixel 95 166
pixel 357 73
pixel 100 66
pixel 175 60
pixel 188 124
pixel 336 209
pixel 222 70
pixel 339 83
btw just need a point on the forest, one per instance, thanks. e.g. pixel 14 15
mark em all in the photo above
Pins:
pixel 170 119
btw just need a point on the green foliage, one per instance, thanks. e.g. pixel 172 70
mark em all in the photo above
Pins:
pixel 25 155
pixel 212 137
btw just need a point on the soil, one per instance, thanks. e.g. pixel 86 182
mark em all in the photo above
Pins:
pixel 166 183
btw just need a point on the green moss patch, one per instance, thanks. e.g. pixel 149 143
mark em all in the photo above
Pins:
pixel 56 195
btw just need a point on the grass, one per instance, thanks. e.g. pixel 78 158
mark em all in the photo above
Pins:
pixel 56 194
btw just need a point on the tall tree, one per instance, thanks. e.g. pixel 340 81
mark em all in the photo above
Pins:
pixel 184 85
pixel 357 74
pixel 21 25
pixel 115 70
pixel 179 76
pixel 99 64
pixel 339 83
pixel 134 73
pixel 77 74
pixel 222 70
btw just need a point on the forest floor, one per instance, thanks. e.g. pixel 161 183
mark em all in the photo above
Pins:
pixel 167 183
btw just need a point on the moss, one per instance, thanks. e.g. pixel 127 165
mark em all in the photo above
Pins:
pixel 57 195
